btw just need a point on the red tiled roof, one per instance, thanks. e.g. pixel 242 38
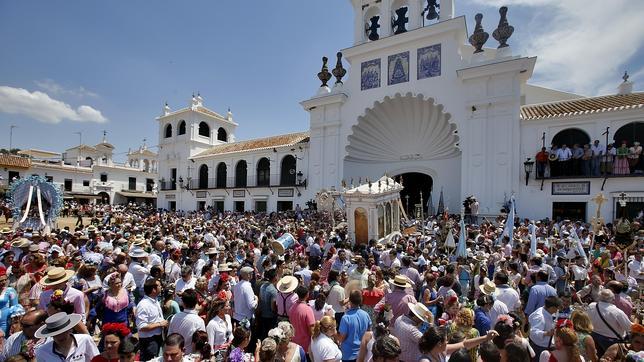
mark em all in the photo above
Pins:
pixel 14 161
pixel 290 139
pixel 583 106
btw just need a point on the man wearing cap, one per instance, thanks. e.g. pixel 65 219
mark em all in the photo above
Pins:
pixel 244 298
pixel 56 279
pixel 64 344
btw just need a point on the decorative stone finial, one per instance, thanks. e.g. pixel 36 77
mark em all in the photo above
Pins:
pixel 372 29
pixel 324 74
pixel 479 37
pixel 398 24
pixel 625 76
pixel 504 31
pixel 430 9
pixel 339 71
pixel 166 109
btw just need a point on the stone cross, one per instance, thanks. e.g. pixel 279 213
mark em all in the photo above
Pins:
pixel 599 200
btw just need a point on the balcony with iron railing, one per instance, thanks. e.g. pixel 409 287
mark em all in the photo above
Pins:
pixel 273 180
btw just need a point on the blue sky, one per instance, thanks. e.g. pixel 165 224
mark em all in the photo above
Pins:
pixel 72 65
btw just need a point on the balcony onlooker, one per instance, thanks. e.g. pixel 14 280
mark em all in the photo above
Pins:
pixel 577 154
pixel 586 161
pixel 542 162
pixel 564 157
pixel 635 160
pixel 620 166
pixel 597 150
pixel 606 166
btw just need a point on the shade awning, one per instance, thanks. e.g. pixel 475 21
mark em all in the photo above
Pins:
pixel 81 195
pixel 141 195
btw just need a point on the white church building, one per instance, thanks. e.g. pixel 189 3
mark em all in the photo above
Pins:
pixel 424 100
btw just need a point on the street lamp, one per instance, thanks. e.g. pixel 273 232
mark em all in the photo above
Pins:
pixel 300 179
pixel 527 167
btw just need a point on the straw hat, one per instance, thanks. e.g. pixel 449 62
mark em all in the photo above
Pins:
pixel 6 230
pixel 400 281
pixel 420 311
pixel 287 284
pixel 91 229
pixel 58 324
pixel 211 251
pixel 137 253
pixel 21 243
pixel 56 276
pixel 223 268
pixel 139 241
pixel 487 288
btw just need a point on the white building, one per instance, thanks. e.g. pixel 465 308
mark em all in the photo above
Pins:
pixel 88 174
pixel 420 102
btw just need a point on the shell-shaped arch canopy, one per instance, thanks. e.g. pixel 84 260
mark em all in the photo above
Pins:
pixel 403 128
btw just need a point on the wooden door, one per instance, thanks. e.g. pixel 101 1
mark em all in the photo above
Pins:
pixel 362 226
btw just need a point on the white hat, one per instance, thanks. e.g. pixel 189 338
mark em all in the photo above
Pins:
pixel 287 284
pixel 420 311
pixel 137 253
pixel 57 324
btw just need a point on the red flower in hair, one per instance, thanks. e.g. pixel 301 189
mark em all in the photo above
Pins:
pixel 3 271
pixel 565 323
pixel 119 329
pixel 222 295
pixel 637 328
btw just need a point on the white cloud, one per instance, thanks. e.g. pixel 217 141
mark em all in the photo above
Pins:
pixel 54 88
pixel 581 46
pixel 41 107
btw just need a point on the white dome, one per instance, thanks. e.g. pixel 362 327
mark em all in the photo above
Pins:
pixel 403 128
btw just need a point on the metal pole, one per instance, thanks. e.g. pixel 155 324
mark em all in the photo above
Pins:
pixel 543 139
pixel 605 155
pixel 11 137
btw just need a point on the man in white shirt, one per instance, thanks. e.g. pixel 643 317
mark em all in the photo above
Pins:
pixel 139 272
pixel 542 325
pixel 505 293
pixel 360 272
pixel 610 324
pixel 150 321
pixel 598 150
pixel 187 281
pixel 564 154
pixel 636 268
pixel 245 300
pixel 62 343
pixel 187 322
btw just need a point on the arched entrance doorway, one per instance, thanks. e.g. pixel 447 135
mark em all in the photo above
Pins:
pixel 414 183
pixel 104 198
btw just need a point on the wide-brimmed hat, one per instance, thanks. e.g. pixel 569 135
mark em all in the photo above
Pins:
pixel 91 229
pixel 21 243
pixel 420 311
pixel 57 324
pixel 6 230
pixel 487 288
pixel 139 241
pixel 56 276
pixel 211 251
pixel 287 284
pixel 400 281
pixel 223 267
pixel 137 253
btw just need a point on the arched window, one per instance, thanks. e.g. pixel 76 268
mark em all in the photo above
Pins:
pixel 204 129
pixel 168 131
pixel 387 218
pixel 381 221
pixel 241 172
pixel 182 127
pixel 372 17
pixel 222 135
pixel 203 177
pixel 287 172
pixel 221 175
pixel 263 172
pixel 630 132
pixel 571 136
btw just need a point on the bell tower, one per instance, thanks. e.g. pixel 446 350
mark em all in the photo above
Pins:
pixel 377 19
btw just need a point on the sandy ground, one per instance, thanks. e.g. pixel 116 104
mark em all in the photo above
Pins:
pixel 62 222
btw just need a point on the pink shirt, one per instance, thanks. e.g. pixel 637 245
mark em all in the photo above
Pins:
pixel 72 295
pixel 285 302
pixel 398 300
pixel 301 317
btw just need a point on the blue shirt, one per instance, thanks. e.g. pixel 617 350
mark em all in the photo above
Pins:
pixel 538 295
pixel 355 322
pixel 482 321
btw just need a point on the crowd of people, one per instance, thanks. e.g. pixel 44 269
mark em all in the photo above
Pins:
pixel 593 159
pixel 141 284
